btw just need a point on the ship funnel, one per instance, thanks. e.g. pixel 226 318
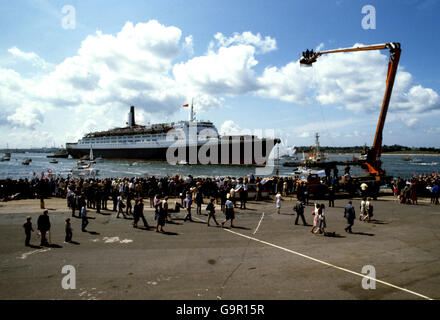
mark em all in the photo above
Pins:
pixel 131 122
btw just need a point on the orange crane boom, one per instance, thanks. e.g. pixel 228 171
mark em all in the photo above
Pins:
pixel 372 163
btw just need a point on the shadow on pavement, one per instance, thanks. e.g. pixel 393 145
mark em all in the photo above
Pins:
pixel 364 234
pixel 169 233
pixel 242 228
pixel 54 245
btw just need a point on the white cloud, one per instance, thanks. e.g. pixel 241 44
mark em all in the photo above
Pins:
pixel 228 71
pixel 188 45
pixel 31 57
pixel 229 127
pixel 247 38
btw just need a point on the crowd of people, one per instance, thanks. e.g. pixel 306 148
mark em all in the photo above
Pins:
pixel 407 191
pixel 125 196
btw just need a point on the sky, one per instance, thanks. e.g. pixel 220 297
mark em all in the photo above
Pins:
pixel 68 67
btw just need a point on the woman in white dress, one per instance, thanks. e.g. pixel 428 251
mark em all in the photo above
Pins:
pixel 278 202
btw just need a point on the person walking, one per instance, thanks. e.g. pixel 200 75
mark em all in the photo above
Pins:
pixel 278 202
pixel 369 210
pixel 363 209
pixel 349 214
pixel 43 225
pixel 85 220
pixel 229 211
pixel 121 206
pixel 315 214
pixel 299 209
pixel 138 213
pixel 211 212
pixel 28 229
pixel 68 229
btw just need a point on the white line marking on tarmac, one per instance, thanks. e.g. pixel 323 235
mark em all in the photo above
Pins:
pixel 25 255
pixel 326 263
pixel 330 265
pixel 256 229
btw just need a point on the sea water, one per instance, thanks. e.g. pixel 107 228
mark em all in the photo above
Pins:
pixel 394 165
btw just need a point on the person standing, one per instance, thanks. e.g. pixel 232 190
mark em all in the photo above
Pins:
pixel 188 203
pixel 232 196
pixel 74 203
pixel 27 231
pixel 350 216
pixel 322 222
pixel 199 201
pixel 244 195
pixel 85 220
pixel 229 210
pixel 306 194
pixel 128 210
pixel 161 217
pixel 278 202
pixel 211 212
pixel 331 197
pixel 299 209
pixel 165 208
pixel 43 225
pixel 68 229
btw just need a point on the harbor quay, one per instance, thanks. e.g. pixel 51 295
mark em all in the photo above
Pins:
pixel 264 256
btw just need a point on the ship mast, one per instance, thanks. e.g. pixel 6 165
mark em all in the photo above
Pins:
pixel 191 114
pixel 317 154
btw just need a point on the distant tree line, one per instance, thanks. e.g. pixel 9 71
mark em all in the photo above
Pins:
pixel 358 149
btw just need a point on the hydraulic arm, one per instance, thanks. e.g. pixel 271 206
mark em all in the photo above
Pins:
pixel 372 163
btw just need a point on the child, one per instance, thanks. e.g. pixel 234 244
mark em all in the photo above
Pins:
pixel 68 230
pixel 27 230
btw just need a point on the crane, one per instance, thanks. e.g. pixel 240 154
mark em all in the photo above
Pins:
pixel 372 163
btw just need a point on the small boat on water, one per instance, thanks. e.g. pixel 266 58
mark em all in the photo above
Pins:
pixel 61 153
pixel 85 170
pixel 27 161
pixel 407 159
pixel 53 161
pixel 6 156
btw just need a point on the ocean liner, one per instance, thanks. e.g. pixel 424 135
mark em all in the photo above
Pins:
pixel 183 142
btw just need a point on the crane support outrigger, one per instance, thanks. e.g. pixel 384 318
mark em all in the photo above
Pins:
pixel 372 164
